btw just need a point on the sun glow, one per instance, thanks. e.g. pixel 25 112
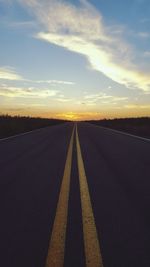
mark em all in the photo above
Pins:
pixel 68 116
pixel 79 116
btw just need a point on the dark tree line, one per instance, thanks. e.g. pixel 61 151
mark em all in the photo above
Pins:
pixel 11 125
pixel 136 126
pixel 14 125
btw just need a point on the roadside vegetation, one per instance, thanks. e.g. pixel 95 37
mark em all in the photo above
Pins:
pixel 15 125
pixel 135 126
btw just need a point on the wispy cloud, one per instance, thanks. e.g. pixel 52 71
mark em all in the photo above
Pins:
pixel 133 106
pixel 145 20
pixel 7 73
pixel 22 24
pixel 55 82
pixel 97 96
pixel 104 96
pixel 30 92
pixel 102 99
pixel 144 35
pixel 63 100
pixel 147 54
pixel 91 102
pixel 81 29
pixel 8 2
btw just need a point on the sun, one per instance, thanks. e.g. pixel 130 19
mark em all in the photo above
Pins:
pixel 71 116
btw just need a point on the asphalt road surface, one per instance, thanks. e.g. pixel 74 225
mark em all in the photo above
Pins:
pixel 74 196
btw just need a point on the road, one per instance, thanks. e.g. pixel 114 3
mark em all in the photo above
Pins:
pixel 74 196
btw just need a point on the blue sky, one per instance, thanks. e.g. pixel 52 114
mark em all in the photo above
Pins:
pixel 75 59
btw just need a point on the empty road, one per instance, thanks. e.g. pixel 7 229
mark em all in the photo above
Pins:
pixel 74 195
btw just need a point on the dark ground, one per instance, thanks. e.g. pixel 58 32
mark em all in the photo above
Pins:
pixel 15 125
pixel 135 126
pixel 117 167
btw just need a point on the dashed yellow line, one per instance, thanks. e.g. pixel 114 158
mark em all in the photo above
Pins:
pixel 55 257
pixel 91 242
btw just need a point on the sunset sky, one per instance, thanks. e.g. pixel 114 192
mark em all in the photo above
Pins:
pixel 75 59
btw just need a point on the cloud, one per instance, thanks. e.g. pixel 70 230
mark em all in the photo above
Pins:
pixel 22 24
pixel 54 82
pixel 59 16
pixel 91 102
pixel 144 35
pixel 97 96
pixel 147 54
pixel 81 29
pixel 101 99
pixel 104 96
pixel 30 92
pixel 63 99
pixel 145 20
pixel 6 2
pixel 133 106
pixel 7 73
pixel 100 60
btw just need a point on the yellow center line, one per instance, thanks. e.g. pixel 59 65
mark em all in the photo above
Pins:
pixel 55 257
pixel 91 242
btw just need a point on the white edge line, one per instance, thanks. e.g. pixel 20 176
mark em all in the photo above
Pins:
pixel 124 133
pixel 21 134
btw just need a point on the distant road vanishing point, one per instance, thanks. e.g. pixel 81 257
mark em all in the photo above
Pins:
pixel 74 195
